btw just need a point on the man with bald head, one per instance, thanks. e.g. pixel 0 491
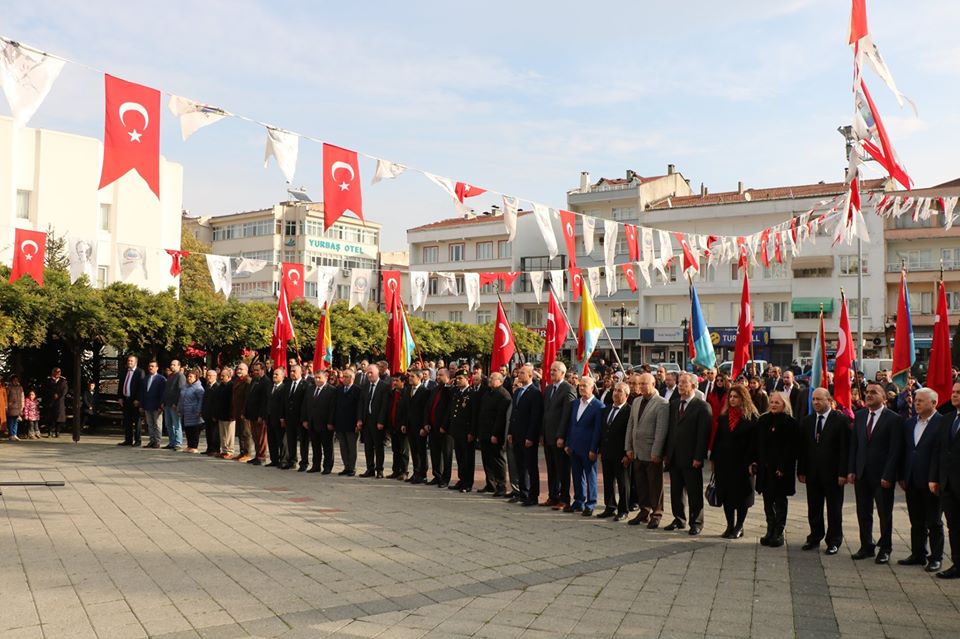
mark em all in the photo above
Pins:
pixel 374 407
pixel 645 442
pixel 823 464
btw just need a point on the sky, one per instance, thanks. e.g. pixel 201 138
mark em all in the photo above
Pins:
pixel 519 97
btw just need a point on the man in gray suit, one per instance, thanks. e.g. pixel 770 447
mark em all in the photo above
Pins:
pixel 645 442
pixel 558 397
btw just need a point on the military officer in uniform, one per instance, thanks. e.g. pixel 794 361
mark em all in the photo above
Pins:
pixel 462 431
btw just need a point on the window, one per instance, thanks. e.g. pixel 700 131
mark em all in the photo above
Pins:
pixel 624 213
pixel 290 227
pixel 104 217
pixel 431 254
pixel 484 317
pixel 953 301
pixel 775 271
pixel 343 291
pixel 921 303
pixel 459 284
pixel 533 317
pixel 484 250
pixel 23 204
pixel 455 316
pixel 914 259
pixel 310 289
pixel 849 265
pixel 707 273
pixel 430 316
pixel 708 312
pixel 261 228
pixel 735 271
pixel 774 312
pixel 950 257
pixel 226 232
pixel 434 286
pixel 812 315
pixel 615 318
pixel 314 227
pixel 292 256
pixel 540 263
pixel 801 273
pixel 907 222
pixel 102 277
pixel 735 312
pixel 854 311
pixel 456 252
pixel 621 248
pixel 672 271
pixel 504 249
pixel 666 313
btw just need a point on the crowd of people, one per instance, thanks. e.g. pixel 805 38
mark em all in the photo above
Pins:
pixel 755 434
pixel 28 411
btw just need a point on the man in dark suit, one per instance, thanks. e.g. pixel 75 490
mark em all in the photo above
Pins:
pixel 613 453
pixel 255 411
pixel 798 395
pixel 491 427
pixel 373 410
pixel 822 465
pixel 435 424
pixel 774 381
pixel 276 407
pixel 399 450
pixel 151 403
pixel 874 461
pixel 346 422
pixel 670 392
pixel 688 436
pixel 413 407
pixel 131 387
pixel 945 479
pixel 320 405
pixel 921 435
pixel 559 396
pixel 524 436
pixel 709 377
pixel 462 430
pixel 296 434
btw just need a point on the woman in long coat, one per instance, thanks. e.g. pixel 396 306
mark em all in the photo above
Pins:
pixel 778 438
pixel 734 457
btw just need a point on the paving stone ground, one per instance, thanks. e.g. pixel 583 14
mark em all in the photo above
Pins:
pixel 148 543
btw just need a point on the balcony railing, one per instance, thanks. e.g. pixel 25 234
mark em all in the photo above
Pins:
pixel 932 265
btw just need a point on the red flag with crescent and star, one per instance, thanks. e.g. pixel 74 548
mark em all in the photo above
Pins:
pixel 508 278
pixel 391 286
pixel 282 331
pixel 131 136
pixel 690 261
pixel 503 345
pixel 576 282
pixel 341 184
pixel 176 261
pixel 464 190
pixel 630 276
pixel 633 246
pixel 568 223
pixel 556 334
pixel 488 277
pixel 843 362
pixel 291 279
pixel 741 350
pixel 29 250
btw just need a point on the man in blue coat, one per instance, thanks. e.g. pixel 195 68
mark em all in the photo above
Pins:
pixel 151 402
pixel 582 445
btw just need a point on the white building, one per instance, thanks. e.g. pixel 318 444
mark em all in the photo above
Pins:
pixel 290 232
pixel 49 179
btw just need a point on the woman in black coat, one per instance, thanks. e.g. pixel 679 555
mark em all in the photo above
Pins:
pixel 734 457
pixel 778 438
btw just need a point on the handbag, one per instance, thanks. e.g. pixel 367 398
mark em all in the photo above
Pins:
pixel 711 495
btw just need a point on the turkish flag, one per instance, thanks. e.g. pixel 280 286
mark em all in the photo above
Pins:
pixel 557 329
pixel 777 248
pixel 631 278
pixel 29 250
pixel 742 247
pixel 710 240
pixel 633 247
pixel 844 359
pixel 690 261
pixel 741 351
pixel 503 345
pixel 488 278
pixel 282 332
pixel 764 241
pixel 463 190
pixel 390 280
pixel 940 368
pixel 176 261
pixel 341 184
pixel 576 282
pixel 568 222
pixel 292 279
pixel 131 136
pixel 509 278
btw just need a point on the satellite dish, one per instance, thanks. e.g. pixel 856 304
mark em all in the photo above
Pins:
pixel 300 194
pixel 747 196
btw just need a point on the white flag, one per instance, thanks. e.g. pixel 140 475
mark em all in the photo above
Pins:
pixel 83 258
pixel 27 77
pixel 610 275
pixel 593 276
pixel 326 285
pixel 248 266
pixel 949 203
pixel 536 282
pixel 450 188
pixel 219 267
pixel 510 207
pixel 645 272
pixel 544 219
pixel 471 283
pixel 610 230
pixel 193 115
pixel 556 281
pixel 387 170
pixel 646 246
pixel 448 283
pixel 360 286
pixel 589 224
pixel 661 268
pixel 419 288
pixel 283 146
pixel 666 247
pixel 924 209
pixel 132 261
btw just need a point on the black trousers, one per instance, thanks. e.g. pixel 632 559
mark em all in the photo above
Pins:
pixel 399 450
pixel 494 460
pixel 321 441
pixel 691 480
pixel 441 455
pixel 528 469
pixel 297 437
pixel 615 491
pixel 950 501
pixel 558 473
pixel 373 442
pixel 211 432
pixel 193 435
pixel 926 521
pixel 775 508
pixel 276 442
pixel 418 453
pixel 869 492
pixel 131 422
pixel 820 492
pixel 466 461
pixel 348 449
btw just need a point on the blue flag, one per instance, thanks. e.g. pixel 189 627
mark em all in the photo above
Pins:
pixel 701 346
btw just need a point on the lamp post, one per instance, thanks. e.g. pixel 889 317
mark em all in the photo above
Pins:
pixel 847 133
pixel 683 325
pixel 623 313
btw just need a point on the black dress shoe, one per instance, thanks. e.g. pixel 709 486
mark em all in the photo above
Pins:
pixel 912 560
pixel 434 482
pixel 775 542
pixel 832 550
pixel 302 469
pixel 726 533
pixel 368 473
pixel 676 524
pixel 863 553
pixel 351 473
pixel 271 464
pixel 570 508
pixel 125 444
pixel 416 480
pixel 453 487
pixel 379 474
pixel 393 475
pixel 513 499
pixel 736 533
pixel 587 512
pixel 287 466
pixel 529 503
pixel 256 462
pixel 636 521
pixel 607 512
pixel 401 477
pixel 465 490
pixel 883 557
pixel 933 566
pixel 314 470
pixel 500 493
pixel 326 471
pixel 653 524
pixel 442 485
pixel 810 545
pixel 694 530
pixel 950 573
pixel 343 472
pixel 509 495
pixel 619 516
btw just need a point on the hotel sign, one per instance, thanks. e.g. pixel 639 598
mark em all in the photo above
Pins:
pixel 340 248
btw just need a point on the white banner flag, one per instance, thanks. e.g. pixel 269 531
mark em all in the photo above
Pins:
pixel 610 276
pixel 949 204
pixel 448 283
pixel 556 281
pixel 132 261
pixel 471 284
pixel 419 288
pixel 26 77
pixel 249 266
pixel 83 258
pixel 219 267
pixel 510 207
pixel 193 115
pixel 593 276
pixel 283 146
pixel 326 284
pixel 644 272
pixel 666 247
pixel 360 286
pixel 536 282
pixel 589 225
pixel 610 231
pixel 387 170
pixel 450 188
pixel 544 217
pixel 646 246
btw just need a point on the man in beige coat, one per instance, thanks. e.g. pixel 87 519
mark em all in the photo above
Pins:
pixel 645 441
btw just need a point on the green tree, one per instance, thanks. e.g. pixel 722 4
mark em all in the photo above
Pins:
pixel 194 277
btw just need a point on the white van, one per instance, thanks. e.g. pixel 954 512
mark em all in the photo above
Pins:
pixel 870 367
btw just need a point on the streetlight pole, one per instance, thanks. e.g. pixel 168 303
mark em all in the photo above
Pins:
pixel 683 326
pixel 847 133
pixel 623 314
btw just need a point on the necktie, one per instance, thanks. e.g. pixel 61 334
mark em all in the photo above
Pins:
pixel 293 387
pixel 643 407
pixel 126 383
pixel 683 407
pixel 316 393
pixel 373 387
pixel 709 387
pixel 955 427
pixel 613 414
pixel 819 427
pixel 870 426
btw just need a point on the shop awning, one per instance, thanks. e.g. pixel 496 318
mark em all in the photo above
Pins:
pixel 811 304
pixel 812 261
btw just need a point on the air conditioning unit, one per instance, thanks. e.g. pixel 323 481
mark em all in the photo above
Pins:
pixel 345 272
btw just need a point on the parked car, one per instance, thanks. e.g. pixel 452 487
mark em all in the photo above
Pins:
pixel 761 366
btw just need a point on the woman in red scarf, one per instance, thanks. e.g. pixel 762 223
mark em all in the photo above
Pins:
pixel 734 457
